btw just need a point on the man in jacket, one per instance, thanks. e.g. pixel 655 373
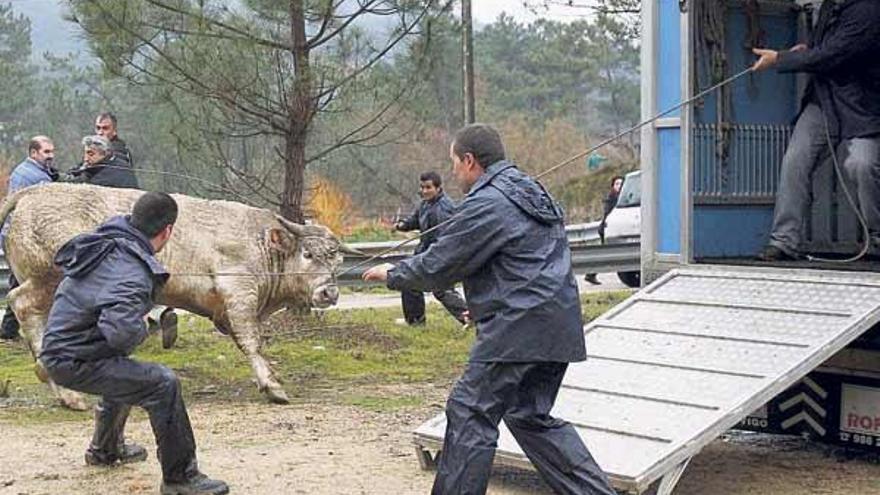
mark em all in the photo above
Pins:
pixel 96 322
pixel 507 244
pixel 840 111
pixel 105 126
pixel 436 208
pixel 105 166
pixel 35 169
pixel 102 167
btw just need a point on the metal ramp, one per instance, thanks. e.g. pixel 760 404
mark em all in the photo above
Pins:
pixel 688 357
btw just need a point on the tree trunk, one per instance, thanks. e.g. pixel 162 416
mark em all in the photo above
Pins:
pixel 301 110
pixel 294 178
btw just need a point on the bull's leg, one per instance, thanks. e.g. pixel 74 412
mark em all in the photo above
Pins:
pixel 245 331
pixel 32 306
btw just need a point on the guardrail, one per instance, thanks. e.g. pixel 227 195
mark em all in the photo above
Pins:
pixel 586 255
pixel 596 258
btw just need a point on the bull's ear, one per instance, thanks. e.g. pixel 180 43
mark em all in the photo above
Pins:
pixel 278 239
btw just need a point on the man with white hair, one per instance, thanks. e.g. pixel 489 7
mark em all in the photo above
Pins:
pixel 102 167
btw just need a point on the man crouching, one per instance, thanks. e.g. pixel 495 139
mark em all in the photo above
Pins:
pixel 96 321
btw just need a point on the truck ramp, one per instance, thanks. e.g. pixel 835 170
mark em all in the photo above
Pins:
pixel 688 357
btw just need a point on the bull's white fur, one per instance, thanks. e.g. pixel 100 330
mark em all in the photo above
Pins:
pixel 209 237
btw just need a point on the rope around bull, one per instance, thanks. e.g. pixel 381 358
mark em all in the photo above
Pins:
pixel 410 239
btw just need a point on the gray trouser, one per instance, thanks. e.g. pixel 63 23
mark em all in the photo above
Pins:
pixel 522 394
pixel 860 160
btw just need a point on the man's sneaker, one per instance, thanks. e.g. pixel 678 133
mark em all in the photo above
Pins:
pixel 591 278
pixel 773 253
pixel 168 324
pixel 131 452
pixel 197 485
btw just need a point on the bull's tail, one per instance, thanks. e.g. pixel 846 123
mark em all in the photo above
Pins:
pixel 9 204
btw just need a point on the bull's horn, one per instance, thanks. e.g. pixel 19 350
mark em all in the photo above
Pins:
pixel 294 228
pixel 345 248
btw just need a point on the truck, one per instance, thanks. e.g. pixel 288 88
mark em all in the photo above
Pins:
pixel 623 225
pixel 710 175
pixel 715 339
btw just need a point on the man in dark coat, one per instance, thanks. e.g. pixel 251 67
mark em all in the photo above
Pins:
pixel 102 167
pixel 96 322
pixel 840 111
pixel 435 208
pixel 507 244
pixel 105 126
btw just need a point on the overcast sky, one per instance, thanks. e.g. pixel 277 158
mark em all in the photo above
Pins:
pixel 50 32
pixel 486 11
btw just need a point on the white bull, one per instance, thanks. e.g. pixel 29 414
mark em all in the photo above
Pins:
pixel 231 263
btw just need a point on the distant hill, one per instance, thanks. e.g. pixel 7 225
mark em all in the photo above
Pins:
pixel 50 32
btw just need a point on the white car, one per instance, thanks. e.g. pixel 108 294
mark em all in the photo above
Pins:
pixel 624 223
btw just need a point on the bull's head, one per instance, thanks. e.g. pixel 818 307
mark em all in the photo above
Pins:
pixel 314 252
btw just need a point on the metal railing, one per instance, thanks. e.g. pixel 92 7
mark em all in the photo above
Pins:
pixel 596 258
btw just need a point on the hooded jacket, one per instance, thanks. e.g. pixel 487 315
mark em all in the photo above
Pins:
pixel 110 277
pixel 428 215
pixel 507 245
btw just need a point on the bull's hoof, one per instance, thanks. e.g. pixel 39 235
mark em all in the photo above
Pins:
pixel 73 400
pixel 41 372
pixel 277 395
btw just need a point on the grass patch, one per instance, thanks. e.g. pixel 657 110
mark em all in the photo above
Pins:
pixel 339 350
pixel 596 303
pixel 366 289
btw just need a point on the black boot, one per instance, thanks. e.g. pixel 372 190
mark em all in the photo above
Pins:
pixel 9 327
pixel 168 324
pixel 195 483
pixel 108 443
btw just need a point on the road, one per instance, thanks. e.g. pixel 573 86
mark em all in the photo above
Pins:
pixel 358 300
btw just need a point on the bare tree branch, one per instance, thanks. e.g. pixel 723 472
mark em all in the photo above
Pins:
pixel 381 54
pixel 246 35
pixel 317 41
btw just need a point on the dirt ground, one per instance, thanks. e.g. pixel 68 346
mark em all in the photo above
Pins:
pixel 322 447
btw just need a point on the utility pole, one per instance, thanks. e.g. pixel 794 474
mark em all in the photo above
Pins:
pixel 467 49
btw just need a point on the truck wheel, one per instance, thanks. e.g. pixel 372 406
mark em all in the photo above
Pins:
pixel 631 279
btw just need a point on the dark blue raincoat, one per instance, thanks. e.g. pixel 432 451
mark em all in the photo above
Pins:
pixel 507 245
pixel 109 279
pixel 428 215
pixel 96 321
